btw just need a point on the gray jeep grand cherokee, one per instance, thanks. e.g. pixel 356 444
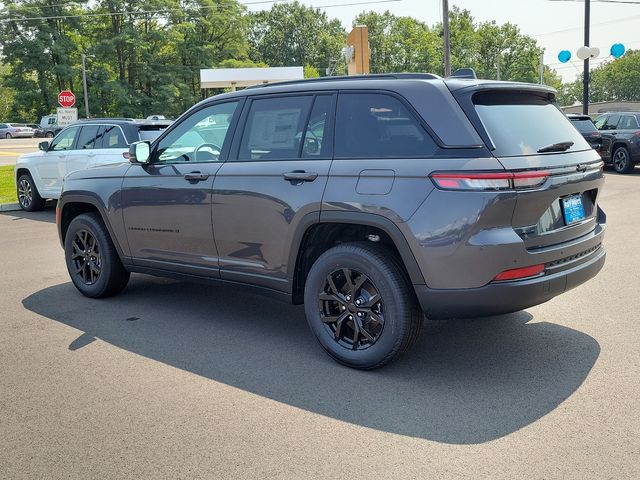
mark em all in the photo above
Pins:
pixel 372 200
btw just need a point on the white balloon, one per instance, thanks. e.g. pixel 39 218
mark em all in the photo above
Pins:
pixel 583 53
pixel 594 52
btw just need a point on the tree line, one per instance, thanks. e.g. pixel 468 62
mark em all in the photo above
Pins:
pixel 144 56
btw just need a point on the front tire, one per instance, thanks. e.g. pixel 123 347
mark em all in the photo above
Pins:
pixel 49 135
pixel 360 305
pixel 29 198
pixel 622 160
pixel 92 260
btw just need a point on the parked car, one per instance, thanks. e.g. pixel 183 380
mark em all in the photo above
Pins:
pixel 369 199
pixel 15 130
pixel 48 127
pixel 34 126
pixel 585 126
pixel 620 139
pixel 79 146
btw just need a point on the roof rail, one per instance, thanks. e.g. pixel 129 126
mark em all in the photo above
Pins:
pixel 111 119
pixel 375 76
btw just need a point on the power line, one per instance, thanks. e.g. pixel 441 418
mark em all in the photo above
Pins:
pixel 168 10
pixel 608 22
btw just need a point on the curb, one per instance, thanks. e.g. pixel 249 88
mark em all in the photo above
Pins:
pixel 9 207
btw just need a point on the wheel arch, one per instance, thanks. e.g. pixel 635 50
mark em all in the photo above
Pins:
pixel 70 206
pixel 313 237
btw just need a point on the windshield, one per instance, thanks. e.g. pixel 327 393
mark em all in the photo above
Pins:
pixel 584 126
pixel 523 123
pixel 151 132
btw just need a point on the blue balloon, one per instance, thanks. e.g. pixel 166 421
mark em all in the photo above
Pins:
pixel 617 50
pixel 565 55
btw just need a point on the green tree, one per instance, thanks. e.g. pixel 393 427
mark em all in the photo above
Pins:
pixel 400 44
pixel 292 34
pixel 617 80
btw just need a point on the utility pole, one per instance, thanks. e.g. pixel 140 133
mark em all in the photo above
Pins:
pixel 542 67
pixel 84 83
pixel 498 65
pixel 585 79
pixel 447 45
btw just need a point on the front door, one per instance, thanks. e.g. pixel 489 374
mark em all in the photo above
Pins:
pixel 53 166
pixel 275 176
pixel 608 128
pixel 167 203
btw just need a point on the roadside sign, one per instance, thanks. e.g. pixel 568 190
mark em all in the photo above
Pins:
pixel 66 98
pixel 67 115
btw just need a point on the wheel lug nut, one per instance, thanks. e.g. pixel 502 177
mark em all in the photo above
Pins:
pixel 360 314
pixel 350 317
pixel 348 297
pixel 358 302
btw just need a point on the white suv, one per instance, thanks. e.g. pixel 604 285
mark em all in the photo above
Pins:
pixel 79 146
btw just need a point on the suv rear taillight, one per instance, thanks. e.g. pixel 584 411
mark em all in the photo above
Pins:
pixel 490 181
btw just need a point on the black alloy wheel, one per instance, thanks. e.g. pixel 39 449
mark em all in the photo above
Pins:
pixel 622 160
pixel 86 257
pixel 351 309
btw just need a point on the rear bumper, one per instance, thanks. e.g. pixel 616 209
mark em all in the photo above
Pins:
pixel 506 297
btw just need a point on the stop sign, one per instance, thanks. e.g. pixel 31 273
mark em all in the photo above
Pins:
pixel 66 98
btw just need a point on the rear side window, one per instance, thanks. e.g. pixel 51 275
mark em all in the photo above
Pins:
pixel 274 128
pixel 113 138
pixel 584 126
pixel 523 123
pixel 628 122
pixel 87 137
pixel 375 125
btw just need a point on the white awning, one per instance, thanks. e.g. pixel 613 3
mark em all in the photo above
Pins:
pixel 246 77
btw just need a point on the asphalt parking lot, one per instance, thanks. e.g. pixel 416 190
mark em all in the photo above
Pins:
pixel 176 380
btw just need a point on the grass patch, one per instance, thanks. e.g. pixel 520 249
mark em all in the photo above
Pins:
pixel 7 185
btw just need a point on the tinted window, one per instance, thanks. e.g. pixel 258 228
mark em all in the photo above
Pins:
pixel 628 122
pixel 600 121
pixel 317 141
pixel 522 123
pixel 376 125
pixel 150 132
pixel 612 122
pixel 274 128
pixel 200 137
pixel 64 140
pixel 584 126
pixel 113 138
pixel 87 137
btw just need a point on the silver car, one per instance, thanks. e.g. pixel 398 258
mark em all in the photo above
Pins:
pixel 15 130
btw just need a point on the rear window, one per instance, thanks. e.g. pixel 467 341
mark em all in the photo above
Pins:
pixel 151 132
pixel 522 123
pixel 584 126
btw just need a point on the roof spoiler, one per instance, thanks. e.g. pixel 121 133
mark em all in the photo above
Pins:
pixel 464 73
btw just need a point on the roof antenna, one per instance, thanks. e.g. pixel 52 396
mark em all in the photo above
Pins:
pixel 464 73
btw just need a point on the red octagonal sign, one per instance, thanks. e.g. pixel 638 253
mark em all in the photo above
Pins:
pixel 66 98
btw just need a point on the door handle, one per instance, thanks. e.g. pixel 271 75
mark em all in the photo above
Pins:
pixel 194 177
pixel 300 176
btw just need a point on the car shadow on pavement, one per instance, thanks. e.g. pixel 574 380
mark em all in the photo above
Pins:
pixel 48 214
pixel 465 382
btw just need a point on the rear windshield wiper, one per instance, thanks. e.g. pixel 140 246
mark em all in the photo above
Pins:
pixel 556 147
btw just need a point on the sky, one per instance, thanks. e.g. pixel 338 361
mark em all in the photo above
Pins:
pixel 556 25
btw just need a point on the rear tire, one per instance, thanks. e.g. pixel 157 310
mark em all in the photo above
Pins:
pixel 360 305
pixel 92 260
pixel 29 198
pixel 8 136
pixel 49 135
pixel 622 160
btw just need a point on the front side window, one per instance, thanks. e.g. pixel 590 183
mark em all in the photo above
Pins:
pixel 64 140
pixel 200 137
pixel 377 125
pixel 612 122
pixel 274 128
pixel 87 137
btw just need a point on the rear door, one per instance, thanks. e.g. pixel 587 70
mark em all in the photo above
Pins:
pixel 52 166
pixel 528 132
pixel 111 146
pixel 275 176
pixel 167 204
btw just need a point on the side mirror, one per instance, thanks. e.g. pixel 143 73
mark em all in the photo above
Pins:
pixel 44 146
pixel 139 152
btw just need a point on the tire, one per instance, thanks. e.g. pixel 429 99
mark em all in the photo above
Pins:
pixel 388 326
pixel 622 160
pixel 49 135
pixel 92 260
pixel 8 136
pixel 29 198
